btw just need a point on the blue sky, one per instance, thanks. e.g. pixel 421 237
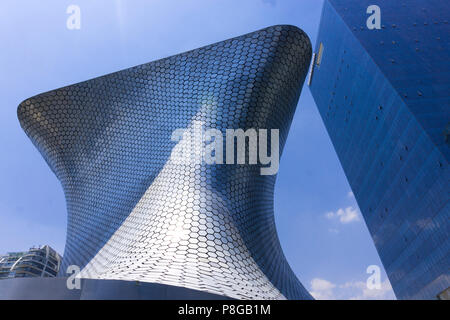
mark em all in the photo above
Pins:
pixel 321 230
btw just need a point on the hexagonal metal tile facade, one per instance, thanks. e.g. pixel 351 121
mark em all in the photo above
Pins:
pixel 133 212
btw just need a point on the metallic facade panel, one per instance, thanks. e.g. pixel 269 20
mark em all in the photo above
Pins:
pixel 136 214
pixel 94 289
pixel 384 96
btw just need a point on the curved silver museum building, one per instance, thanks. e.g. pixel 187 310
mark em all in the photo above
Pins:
pixel 137 214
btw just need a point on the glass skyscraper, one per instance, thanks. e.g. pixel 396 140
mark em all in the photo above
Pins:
pixel 381 81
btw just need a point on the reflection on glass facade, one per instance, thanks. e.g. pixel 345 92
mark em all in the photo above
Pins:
pixel 40 261
pixel 384 96
pixel 136 214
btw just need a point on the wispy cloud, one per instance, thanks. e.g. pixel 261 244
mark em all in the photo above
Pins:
pixel 364 293
pixel 346 215
pixel 322 289
pixel 350 194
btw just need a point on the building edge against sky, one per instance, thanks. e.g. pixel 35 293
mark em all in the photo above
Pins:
pixel 383 95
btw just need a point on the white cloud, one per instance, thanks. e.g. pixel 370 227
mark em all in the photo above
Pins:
pixel 364 293
pixel 329 215
pixel 346 215
pixel 322 289
pixel 350 194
